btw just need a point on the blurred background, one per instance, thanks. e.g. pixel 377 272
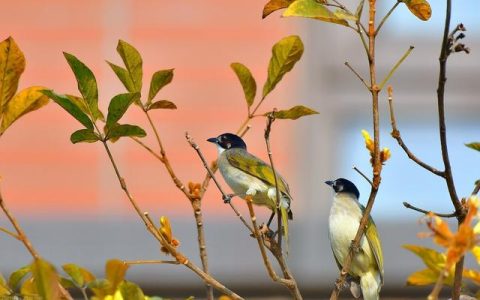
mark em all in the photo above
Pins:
pixel 69 201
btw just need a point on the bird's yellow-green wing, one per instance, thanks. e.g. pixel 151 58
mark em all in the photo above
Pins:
pixel 254 166
pixel 374 241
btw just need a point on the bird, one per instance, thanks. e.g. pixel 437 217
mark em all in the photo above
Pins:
pixel 248 175
pixel 366 269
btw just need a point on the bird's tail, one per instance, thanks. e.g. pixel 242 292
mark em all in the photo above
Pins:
pixel 284 212
pixel 370 283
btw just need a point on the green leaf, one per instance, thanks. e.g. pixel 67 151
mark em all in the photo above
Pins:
pixel 46 279
pixel 420 8
pixel 162 104
pixel 70 107
pixel 285 54
pixel 29 289
pixel 474 146
pixel 26 101
pixel 115 271
pixel 294 112
pixel 344 15
pixel 84 136
pixel 80 103
pixel 124 76
pixel 101 288
pixel 159 80
pixel 17 276
pixel 247 81
pixel 4 288
pixel 87 84
pixel 12 65
pixel 67 283
pixel 74 272
pixel 274 5
pixel 359 10
pixel 121 130
pixel 133 61
pixel 131 291
pixel 118 106
pixel 314 10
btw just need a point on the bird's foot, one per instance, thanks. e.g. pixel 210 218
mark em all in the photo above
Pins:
pixel 265 230
pixel 355 248
pixel 227 198
pixel 340 284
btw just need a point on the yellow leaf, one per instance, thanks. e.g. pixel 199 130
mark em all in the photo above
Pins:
pixel 12 65
pixel 432 259
pixel 476 253
pixel 313 9
pixel 420 8
pixel 473 275
pixel 25 101
pixel 368 141
pixel 115 271
pixel 423 277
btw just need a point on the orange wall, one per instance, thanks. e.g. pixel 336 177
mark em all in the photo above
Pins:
pixel 44 175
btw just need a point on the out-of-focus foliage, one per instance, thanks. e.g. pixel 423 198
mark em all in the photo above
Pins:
pixel 456 245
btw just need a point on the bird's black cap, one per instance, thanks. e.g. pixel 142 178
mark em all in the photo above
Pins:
pixel 342 185
pixel 228 141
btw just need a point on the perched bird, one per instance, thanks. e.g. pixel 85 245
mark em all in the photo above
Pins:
pixel 367 265
pixel 246 174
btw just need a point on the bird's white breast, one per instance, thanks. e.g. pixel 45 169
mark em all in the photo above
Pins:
pixel 343 223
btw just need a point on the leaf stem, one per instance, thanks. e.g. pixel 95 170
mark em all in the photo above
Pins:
pixel 387 16
pixel 410 206
pixel 395 67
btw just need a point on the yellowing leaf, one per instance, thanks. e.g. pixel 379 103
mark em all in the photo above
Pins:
pixel 162 104
pixel 4 289
pixel 420 8
pixel 314 10
pixel 344 15
pixel 294 112
pixel 47 281
pixel 472 275
pixel 474 146
pixel 131 291
pixel 285 55
pixel 27 100
pixel 12 65
pixel 423 277
pixel 274 5
pixel 115 271
pixel 431 258
pixel 246 80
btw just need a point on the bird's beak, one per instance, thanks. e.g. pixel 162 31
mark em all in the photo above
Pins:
pixel 330 183
pixel 212 140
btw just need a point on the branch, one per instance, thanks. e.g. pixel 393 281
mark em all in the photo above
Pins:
pixel 207 278
pixel 396 135
pixel 410 206
pixel 289 283
pixel 377 165
pixel 357 74
pixel 225 197
pixel 21 236
pixel 395 67
pixel 148 262
pixel 194 201
pixel 363 175
pixel 268 128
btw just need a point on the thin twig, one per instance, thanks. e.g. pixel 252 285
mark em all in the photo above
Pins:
pixel 150 262
pixel 195 202
pixel 395 67
pixel 386 17
pixel 21 236
pixel 268 129
pixel 396 135
pixel 207 278
pixel 438 287
pixel 358 75
pixel 225 197
pixel 15 236
pixel 410 206
pixel 477 188
pixel 289 283
pixel 363 175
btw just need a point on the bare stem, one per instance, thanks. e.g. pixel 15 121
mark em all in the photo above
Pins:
pixel 357 74
pixel 395 67
pixel 396 135
pixel 377 165
pixel 410 206
pixel 195 202
pixel 207 278
pixel 289 283
pixel 363 175
pixel 14 235
pixel 21 236
pixel 150 262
